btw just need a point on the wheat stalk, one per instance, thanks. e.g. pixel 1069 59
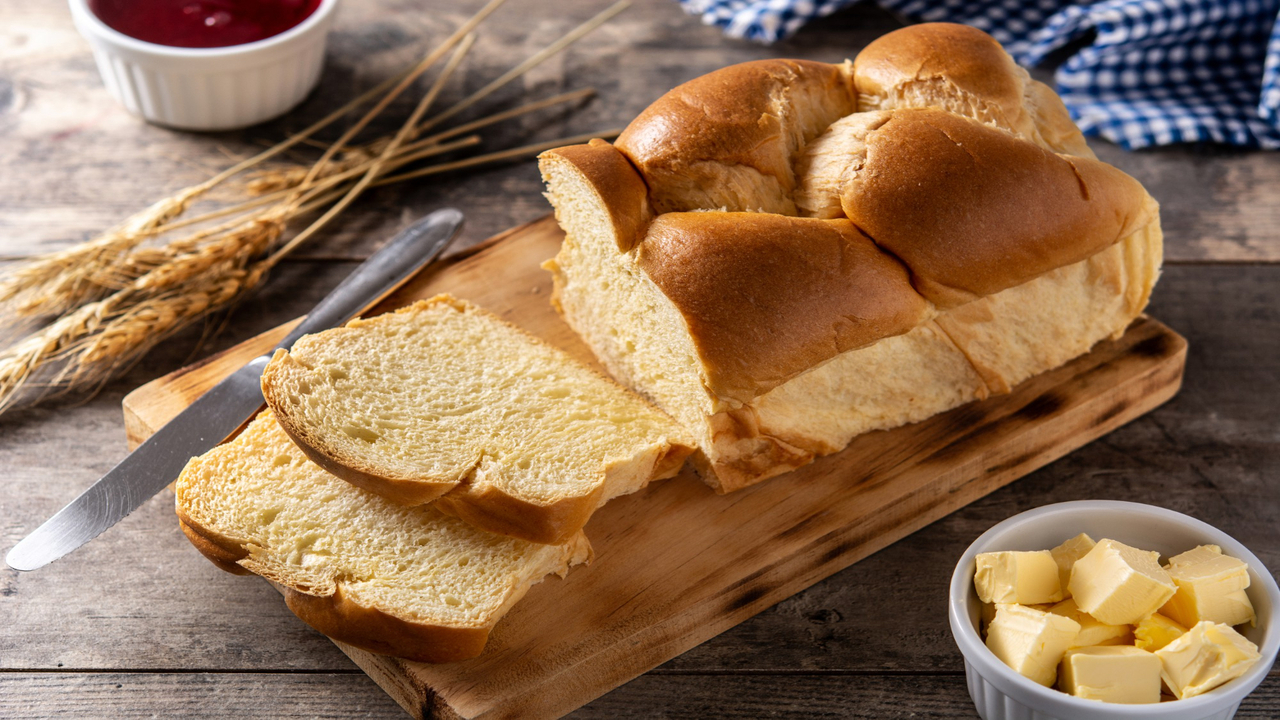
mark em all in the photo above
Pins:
pixel 376 167
pixel 112 299
pixel 279 183
pixel 268 183
pixel 533 61
pixel 58 282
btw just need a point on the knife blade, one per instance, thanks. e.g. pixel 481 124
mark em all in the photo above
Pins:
pixel 225 407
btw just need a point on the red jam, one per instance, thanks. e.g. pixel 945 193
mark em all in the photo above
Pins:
pixel 202 23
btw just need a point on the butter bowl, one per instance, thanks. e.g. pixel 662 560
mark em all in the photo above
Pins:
pixel 999 693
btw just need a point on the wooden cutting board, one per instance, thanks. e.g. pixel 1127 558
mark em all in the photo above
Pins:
pixel 677 564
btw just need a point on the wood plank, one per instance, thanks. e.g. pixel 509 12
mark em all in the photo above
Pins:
pixel 655 590
pixel 836 695
pixel 192 695
pixel 35 696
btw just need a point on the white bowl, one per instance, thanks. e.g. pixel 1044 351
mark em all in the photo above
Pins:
pixel 1002 694
pixel 217 88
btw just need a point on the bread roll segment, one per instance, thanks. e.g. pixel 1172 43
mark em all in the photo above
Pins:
pixel 728 140
pixel 1022 251
pixel 963 70
pixel 973 210
pixel 603 172
pixel 766 297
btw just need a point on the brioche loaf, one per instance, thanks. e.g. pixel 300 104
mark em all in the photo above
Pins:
pixel 443 403
pixel 410 582
pixel 785 254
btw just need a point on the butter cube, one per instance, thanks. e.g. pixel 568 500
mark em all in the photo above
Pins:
pixel 1210 587
pixel 1092 631
pixel 988 613
pixel 1118 584
pixel 1026 578
pixel 1031 641
pixel 1155 631
pixel 1205 657
pixel 1115 673
pixel 1066 556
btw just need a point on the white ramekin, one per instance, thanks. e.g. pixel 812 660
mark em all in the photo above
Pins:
pixel 1002 694
pixel 209 88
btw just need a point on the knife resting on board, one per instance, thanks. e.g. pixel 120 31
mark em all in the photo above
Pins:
pixel 226 406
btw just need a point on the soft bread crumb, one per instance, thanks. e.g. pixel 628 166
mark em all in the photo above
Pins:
pixel 259 498
pixel 441 396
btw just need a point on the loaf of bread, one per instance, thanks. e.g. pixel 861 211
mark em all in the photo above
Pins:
pixel 444 403
pixel 786 254
pixel 405 581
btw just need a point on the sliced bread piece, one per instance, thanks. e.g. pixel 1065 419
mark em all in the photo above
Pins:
pixel 443 402
pixel 410 582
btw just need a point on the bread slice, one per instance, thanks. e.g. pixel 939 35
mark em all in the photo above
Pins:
pixel 409 582
pixel 442 402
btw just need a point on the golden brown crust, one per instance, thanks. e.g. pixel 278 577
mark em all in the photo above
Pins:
pixel 744 455
pixel 972 210
pixel 766 297
pixel 488 508
pixel 219 550
pixel 671 460
pixel 752 117
pixel 964 70
pixel 370 629
pixel 621 189
pixel 968 59
pixel 1058 131
pixel 491 509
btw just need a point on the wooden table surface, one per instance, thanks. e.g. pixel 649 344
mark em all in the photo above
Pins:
pixel 138 624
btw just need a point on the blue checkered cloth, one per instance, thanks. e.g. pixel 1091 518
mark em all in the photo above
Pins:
pixel 1150 72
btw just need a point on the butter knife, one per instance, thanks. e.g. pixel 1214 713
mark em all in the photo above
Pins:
pixel 226 406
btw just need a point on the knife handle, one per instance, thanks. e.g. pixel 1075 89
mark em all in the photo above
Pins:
pixel 380 275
